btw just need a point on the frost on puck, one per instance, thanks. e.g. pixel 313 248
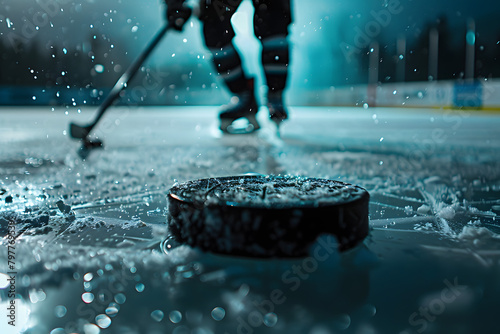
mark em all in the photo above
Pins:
pixel 266 216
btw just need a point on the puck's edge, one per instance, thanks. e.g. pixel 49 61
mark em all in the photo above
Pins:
pixel 267 232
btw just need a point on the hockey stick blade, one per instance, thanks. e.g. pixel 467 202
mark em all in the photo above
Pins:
pixel 79 132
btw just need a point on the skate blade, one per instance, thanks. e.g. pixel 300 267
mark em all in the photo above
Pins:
pixel 244 125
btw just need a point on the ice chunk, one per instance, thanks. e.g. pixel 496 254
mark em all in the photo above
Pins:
pixel 424 209
pixel 447 212
pixel 475 233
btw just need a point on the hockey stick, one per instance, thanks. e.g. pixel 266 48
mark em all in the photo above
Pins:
pixel 82 131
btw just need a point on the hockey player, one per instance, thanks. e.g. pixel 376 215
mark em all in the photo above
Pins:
pixel 271 21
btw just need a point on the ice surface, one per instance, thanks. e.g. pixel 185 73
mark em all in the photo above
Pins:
pixel 434 183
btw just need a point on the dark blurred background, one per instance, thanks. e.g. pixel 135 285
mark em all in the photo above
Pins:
pixel 61 52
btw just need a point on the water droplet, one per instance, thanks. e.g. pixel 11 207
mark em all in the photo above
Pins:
pixel 99 68
pixel 381 139
pixel 365 105
pixel 270 319
pixel 342 321
pixel 65 51
pixel 37 296
pixel 120 298
pixel 394 92
pixel 218 313
pixel 60 311
pixel 139 287
pixel 34 97
pixel 87 286
pixel 112 309
pixel 91 329
pixel 372 310
pixel 103 321
pixel 58 331
pixel 88 297
pixel 157 315
pixel 169 244
pixel 88 277
pixel 175 316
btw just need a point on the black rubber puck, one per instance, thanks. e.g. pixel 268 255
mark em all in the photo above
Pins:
pixel 266 216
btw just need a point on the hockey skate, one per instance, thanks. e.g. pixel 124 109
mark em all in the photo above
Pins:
pixel 243 106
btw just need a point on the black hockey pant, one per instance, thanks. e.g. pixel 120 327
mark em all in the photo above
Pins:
pixel 271 20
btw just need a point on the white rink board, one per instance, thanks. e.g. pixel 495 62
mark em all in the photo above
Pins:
pixel 432 94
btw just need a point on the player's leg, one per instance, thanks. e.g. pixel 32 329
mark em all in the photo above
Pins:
pixel 271 21
pixel 219 34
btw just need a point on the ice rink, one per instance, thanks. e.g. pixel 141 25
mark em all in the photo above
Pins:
pixel 93 254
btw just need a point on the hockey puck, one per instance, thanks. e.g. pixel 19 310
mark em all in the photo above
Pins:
pixel 266 216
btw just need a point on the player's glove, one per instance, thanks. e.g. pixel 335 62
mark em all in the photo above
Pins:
pixel 177 13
